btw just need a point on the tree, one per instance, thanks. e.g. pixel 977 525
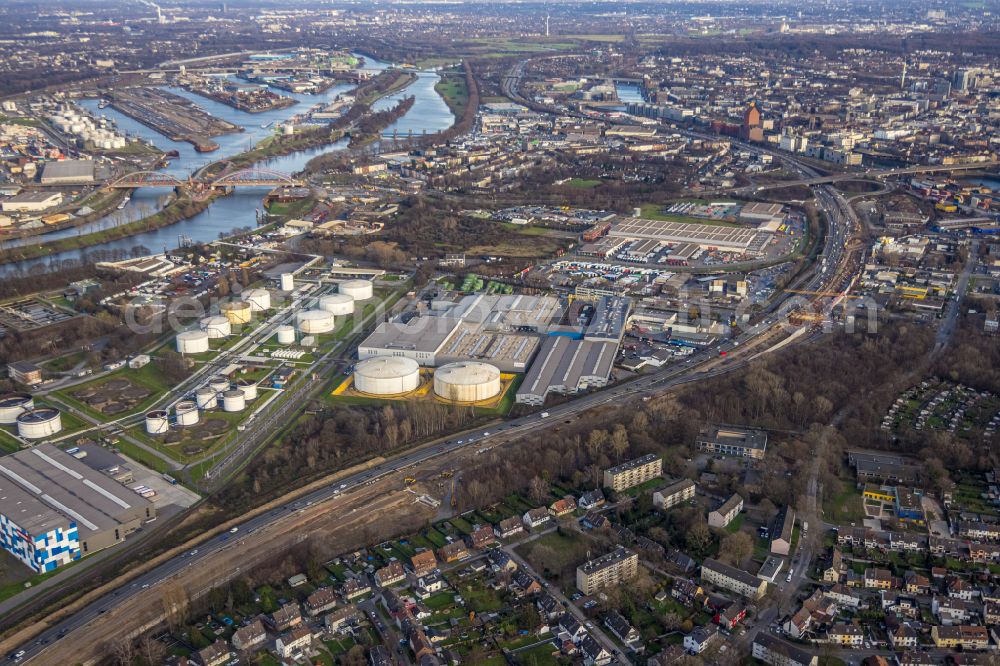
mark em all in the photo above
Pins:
pixel 736 547
pixel 698 537
pixel 539 490
pixel 619 441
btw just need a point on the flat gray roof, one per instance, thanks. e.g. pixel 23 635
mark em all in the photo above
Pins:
pixel 420 334
pixel 43 488
pixel 562 363
pixel 684 232
pixel 68 169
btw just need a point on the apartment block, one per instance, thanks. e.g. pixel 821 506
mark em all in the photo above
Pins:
pixel 633 472
pixel 611 569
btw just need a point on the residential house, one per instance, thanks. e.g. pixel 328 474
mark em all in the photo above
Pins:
pixel 423 563
pixel 904 637
pixel 320 601
pixel 591 499
pixel 701 638
pixel 500 561
pixel 340 618
pixel 562 507
pixel 536 518
pixel 731 616
pixel 354 588
pixel 877 579
pixel 594 654
pixel 250 637
pixel 776 652
pixel 526 584
pixel 429 584
pixel 568 629
pixel 390 574
pixel 621 628
pixel 509 527
pixel 482 537
pixel 832 573
pixel 421 645
pixel 951 611
pixel 964 636
pixel 549 607
pixel 215 654
pixel 726 512
pixel 686 591
pixel 843 596
pixel 453 552
pixel 595 521
pixel 915 583
pixel 674 493
pixel 733 579
pixel 286 617
pixel 847 635
pixel 298 640
pixel 961 589
pixel 781 533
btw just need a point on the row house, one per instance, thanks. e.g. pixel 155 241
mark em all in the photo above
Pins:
pixel 453 552
pixel 904 637
pixel 390 574
pixel 320 601
pixel 846 635
pixel 964 636
pixel 950 611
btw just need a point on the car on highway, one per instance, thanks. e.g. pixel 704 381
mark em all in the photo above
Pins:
pixel 234 530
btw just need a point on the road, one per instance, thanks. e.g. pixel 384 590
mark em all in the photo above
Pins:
pixel 720 359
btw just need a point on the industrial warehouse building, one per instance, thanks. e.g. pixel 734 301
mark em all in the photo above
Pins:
pixel 55 509
pixel 68 172
pixel 726 239
pixel 499 330
pixel 565 365
pixel 31 202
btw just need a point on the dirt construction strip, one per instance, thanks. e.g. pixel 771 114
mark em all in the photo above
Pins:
pixel 345 520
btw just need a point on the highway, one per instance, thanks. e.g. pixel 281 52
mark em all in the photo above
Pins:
pixel 717 360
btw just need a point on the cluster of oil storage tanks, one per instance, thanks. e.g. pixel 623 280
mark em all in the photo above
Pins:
pixel 32 422
pixel 464 382
pixel 232 396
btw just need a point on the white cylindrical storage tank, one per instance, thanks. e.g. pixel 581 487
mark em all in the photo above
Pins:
pixel 337 304
pixel 38 423
pixel 359 290
pixel 287 282
pixel 259 299
pixel 248 387
pixel 387 375
pixel 186 412
pixel 157 422
pixel 467 381
pixel 285 334
pixel 233 401
pixel 206 398
pixel 216 327
pixel 237 312
pixel 219 383
pixel 13 405
pixel 315 321
pixel 192 342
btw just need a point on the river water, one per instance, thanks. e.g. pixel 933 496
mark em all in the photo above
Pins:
pixel 428 114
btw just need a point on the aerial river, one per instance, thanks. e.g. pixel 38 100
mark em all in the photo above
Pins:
pixel 428 114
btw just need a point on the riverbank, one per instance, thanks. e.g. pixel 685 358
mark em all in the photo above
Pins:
pixel 181 208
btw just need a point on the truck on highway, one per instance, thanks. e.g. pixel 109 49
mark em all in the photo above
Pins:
pixel 805 526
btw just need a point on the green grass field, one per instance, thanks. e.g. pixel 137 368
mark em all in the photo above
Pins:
pixel 651 211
